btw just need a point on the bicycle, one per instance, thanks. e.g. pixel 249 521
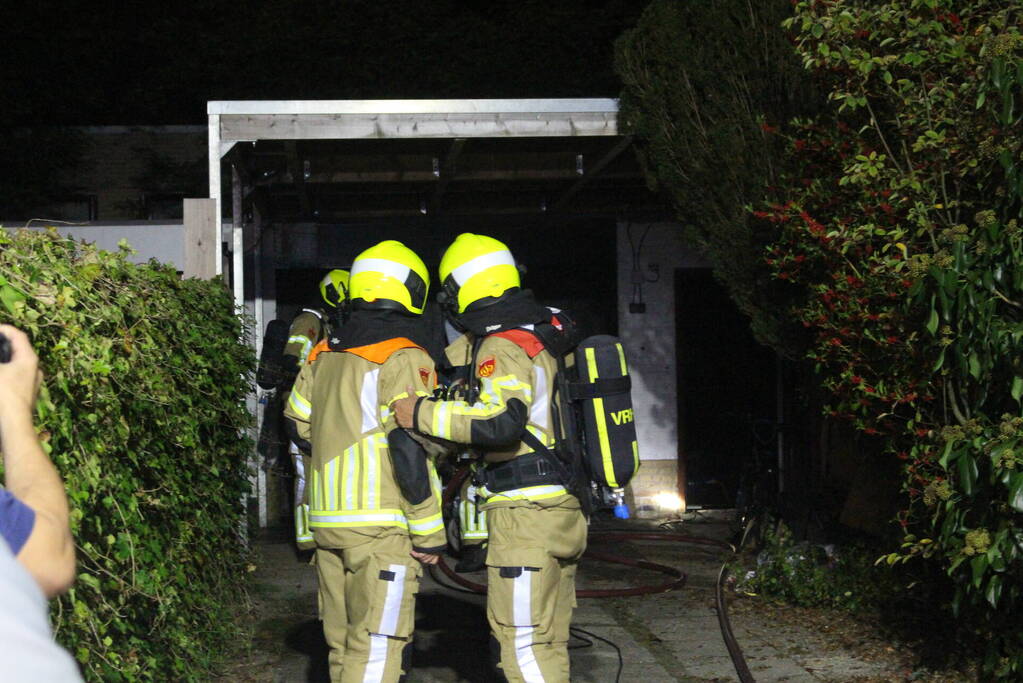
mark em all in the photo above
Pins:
pixel 757 497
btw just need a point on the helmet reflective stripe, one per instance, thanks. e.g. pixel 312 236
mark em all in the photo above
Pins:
pixel 378 265
pixel 462 273
pixel 477 269
pixel 389 275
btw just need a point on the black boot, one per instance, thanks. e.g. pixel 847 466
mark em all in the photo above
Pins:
pixel 473 558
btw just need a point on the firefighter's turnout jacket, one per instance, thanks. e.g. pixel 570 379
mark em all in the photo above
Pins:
pixel 364 471
pixel 515 374
pixel 308 328
pixel 537 531
pixel 340 405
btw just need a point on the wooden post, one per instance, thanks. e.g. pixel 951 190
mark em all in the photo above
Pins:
pixel 200 238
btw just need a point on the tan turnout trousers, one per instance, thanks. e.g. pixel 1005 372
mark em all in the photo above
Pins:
pixel 531 566
pixel 307 329
pixel 369 593
pixel 537 533
pixel 363 525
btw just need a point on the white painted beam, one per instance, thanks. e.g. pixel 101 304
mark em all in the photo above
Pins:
pixel 396 126
pixel 214 173
pixel 416 107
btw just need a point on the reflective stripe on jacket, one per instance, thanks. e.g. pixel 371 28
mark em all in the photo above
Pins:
pixel 515 392
pixel 340 404
pixel 307 329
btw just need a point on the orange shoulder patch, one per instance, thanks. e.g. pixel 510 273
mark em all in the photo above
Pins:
pixel 486 367
pixel 317 350
pixel 379 353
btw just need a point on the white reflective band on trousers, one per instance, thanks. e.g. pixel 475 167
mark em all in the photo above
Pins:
pixel 495 258
pixel 387 626
pixel 302 531
pixel 296 457
pixel 522 591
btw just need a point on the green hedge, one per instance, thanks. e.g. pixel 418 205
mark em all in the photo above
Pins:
pixel 142 411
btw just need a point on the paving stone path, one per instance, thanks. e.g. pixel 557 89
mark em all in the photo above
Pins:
pixel 663 637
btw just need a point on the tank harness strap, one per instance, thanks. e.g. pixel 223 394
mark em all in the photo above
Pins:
pixel 528 469
pixel 600 387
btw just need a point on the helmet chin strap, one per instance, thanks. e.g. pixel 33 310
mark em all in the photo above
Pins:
pixel 447 299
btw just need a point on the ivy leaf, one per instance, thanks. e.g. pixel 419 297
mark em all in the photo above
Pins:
pixel 994 590
pixel 974 365
pixel 967 474
pixel 978 565
pixel 1017 387
pixel 932 322
pixel 944 459
pixel 89 580
pixel 1016 492
pixel 10 296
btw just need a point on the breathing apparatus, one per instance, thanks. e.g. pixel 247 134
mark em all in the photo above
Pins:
pixel 596 451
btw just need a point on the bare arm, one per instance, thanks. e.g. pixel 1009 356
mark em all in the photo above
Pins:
pixel 49 552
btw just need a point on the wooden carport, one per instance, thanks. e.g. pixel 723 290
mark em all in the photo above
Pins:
pixel 318 162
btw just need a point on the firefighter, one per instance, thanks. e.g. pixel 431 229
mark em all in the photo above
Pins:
pixel 537 531
pixel 308 329
pixel 374 494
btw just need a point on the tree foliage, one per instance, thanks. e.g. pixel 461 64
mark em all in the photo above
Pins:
pixel 141 411
pixel 705 85
pixel 891 220
pixel 900 236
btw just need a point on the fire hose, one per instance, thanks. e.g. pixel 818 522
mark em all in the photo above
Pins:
pixel 677 580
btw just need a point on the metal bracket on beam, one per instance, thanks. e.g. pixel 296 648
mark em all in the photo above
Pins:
pixel 588 177
pixel 299 175
pixel 447 170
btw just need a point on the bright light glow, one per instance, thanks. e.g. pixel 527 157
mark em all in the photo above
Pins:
pixel 669 500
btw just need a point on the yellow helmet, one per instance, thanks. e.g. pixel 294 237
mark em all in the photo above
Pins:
pixel 334 287
pixel 389 275
pixel 477 267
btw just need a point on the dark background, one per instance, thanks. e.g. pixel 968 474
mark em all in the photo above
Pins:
pixel 75 62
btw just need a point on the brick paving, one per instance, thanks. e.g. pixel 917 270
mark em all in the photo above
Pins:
pixel 662 637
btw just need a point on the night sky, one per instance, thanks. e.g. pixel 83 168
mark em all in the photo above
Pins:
pixel 75 62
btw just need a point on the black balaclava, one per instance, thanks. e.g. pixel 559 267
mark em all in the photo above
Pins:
pixel 514 308
pixel 370 325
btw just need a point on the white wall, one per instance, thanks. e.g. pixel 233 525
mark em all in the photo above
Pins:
pixel 649 337
pixel 163 241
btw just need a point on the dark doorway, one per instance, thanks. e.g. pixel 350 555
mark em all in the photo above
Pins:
pixel 726 382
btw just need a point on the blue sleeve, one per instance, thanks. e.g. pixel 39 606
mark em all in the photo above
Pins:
pixel 16 521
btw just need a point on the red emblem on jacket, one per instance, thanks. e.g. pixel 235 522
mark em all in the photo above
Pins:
pixel 424 375
pixel 486 368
